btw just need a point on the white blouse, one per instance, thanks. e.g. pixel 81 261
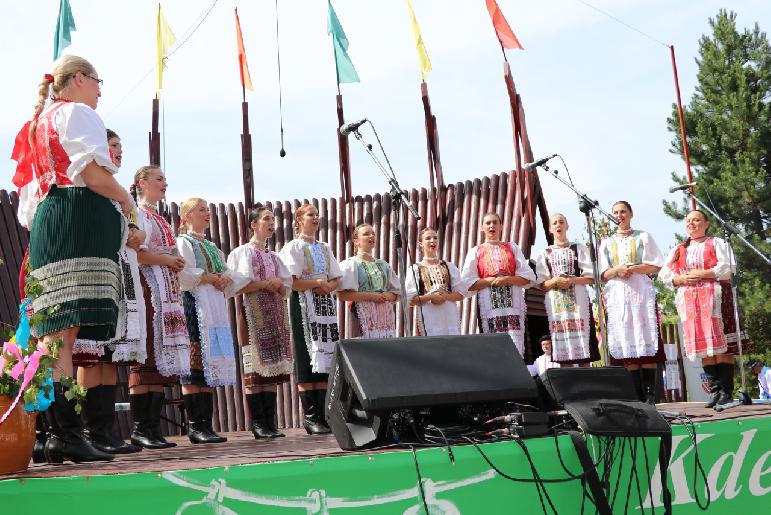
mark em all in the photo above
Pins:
pixel 350 277
pixel 240 260
pixel 470 273
pixel 584 263
pixel 191 275
pixel 83 137
pixel 651 255
pixel 694 260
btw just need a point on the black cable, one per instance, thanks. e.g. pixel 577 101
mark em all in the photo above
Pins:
pixel 282 152
pixel 420 481
pixel 648 474
pixel 449 448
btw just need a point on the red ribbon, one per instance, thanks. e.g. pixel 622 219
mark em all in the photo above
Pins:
pixel 49 78
pixel 22 154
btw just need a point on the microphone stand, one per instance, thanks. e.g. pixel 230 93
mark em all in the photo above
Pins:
pixel 586 205
pixel 397 200
pixel 728 231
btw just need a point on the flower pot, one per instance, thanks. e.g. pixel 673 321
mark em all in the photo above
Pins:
pixel 17 437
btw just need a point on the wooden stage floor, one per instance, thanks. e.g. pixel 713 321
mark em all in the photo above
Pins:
pixel 241 448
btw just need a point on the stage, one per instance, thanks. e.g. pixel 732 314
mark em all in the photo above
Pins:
pixel 304 474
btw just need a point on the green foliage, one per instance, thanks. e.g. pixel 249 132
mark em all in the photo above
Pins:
pixel 728 124
pixel 665 297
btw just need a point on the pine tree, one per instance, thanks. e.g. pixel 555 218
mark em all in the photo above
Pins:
pixel 728 125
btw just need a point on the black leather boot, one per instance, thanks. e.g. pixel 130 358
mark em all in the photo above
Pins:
pixel 711 371
pixel 649 384
pixel 269 407
pixel 142 433
pixel 312 422
pixel 260 427
pixel 41 430
pixel 66 441
pixel 156 407
pixel 726 377
pixel 638 386
pixel 195 428
pixel 98 417
pixel 207 407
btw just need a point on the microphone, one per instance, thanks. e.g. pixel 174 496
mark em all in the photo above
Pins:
pixel 682 187
pixel 535 164
pixel 348 128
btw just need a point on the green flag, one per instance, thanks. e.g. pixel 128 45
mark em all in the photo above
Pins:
pixel 345 70
pixel 65 24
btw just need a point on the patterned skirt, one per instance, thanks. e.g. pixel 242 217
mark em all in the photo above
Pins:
pixel 73 253
pixel 147 374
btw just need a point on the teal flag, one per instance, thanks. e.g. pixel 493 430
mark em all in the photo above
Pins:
pixel 65 24
pixel 345 70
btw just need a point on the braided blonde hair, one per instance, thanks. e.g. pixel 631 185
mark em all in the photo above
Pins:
pixel 185 209
pixel 52 84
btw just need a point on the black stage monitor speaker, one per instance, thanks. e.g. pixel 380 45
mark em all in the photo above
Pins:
pixel 370 377
pixel 578 384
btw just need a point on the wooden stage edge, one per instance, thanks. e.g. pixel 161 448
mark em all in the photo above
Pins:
pixel 241 448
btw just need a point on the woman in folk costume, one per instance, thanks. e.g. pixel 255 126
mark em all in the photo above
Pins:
pixel 626 260
pixel 266 348
pixel 563 270
pixel 168 345
pixel 73 206
pixel 435 287
pixel 700 269
pixel 370 286
pixel 499 272
pixel 313 311
pixel 97 363
pixel 206 281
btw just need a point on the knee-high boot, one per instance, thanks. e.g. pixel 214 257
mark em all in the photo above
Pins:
pixel 98 417
pixel 649 377
pixel 66 441
pixel 313 421
pixel 260 427
pixel 713 382
pixel 269 407
pixel 41 434
pixel 726 375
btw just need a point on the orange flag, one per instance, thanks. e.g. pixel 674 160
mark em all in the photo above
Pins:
pixel 502 29
pixel 243 66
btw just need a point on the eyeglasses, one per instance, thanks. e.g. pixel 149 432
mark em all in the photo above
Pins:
pixel 98 81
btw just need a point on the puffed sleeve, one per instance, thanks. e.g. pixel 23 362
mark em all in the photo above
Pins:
pixel 285 276
pixel 666 274
pixel 350 275
pixel 470 273
pixel 410 285
pixel 651 253
pixel 542 272
pixel 144 224
pixel 84 138
pixel 725 266
pixel 334 267
pixel 239 260
pixel 238 279
pixel 393 286
pixel 293 258
pixel 603 256
pixel 523 267
pixel 584 261
pixel 190 276
pixel 457 283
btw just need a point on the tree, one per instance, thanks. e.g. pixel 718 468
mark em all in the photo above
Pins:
pixel 728 126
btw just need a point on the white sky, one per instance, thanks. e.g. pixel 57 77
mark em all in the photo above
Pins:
pixel 593 90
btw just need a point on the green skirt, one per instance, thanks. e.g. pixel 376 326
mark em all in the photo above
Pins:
pixel 73 254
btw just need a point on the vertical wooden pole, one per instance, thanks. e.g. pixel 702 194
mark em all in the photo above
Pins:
pixel 682 124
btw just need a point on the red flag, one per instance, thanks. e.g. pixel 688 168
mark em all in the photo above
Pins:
pixel 502 29
pixel 243 66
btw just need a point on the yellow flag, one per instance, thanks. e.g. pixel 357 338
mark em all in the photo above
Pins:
pixel 423 61
pixel 166 38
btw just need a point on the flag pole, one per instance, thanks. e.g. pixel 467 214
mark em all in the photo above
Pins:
pixel 682 125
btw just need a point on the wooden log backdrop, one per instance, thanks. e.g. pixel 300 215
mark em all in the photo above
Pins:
pixel 514 196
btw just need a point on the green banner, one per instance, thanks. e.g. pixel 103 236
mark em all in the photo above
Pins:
pixel 735 454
